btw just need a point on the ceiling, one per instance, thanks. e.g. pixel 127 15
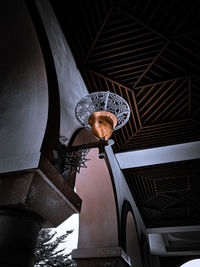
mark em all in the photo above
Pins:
pixel 148 52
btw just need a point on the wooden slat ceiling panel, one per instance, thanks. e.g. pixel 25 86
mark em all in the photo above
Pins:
pixel 169 170
pixel 172 190
pixel 163 135
pixel 169 18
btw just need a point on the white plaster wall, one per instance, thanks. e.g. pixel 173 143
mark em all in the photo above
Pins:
pixel 70 82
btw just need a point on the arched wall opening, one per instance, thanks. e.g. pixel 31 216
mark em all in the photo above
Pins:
pixel 98 217
pixel 129 235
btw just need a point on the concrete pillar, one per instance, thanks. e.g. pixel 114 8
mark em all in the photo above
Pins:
pixel 18 234
pixel 98 232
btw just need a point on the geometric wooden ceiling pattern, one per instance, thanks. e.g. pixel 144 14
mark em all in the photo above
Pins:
pixel 143 51
pixel 167 194
pixel 149 53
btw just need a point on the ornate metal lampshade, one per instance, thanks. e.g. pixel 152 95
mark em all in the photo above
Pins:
pixel 104 112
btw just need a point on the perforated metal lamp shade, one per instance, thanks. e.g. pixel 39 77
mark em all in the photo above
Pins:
pixel 104 112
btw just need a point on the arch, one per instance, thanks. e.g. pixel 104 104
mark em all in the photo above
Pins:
pixel 145 249
pixel 24 90
pixel 129 235
pixel 53 123
pixel 98 217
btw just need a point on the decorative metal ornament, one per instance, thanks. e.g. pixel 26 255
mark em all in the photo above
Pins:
pixel 74 160
pixel 102 101
pixel 67 160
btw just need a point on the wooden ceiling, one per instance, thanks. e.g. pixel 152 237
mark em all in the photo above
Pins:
pixel 167 194
pixel 148 52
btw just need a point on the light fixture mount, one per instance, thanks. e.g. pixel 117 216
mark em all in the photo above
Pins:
pixel 103 112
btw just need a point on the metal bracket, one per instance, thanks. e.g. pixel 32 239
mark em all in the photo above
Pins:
pixel 72 158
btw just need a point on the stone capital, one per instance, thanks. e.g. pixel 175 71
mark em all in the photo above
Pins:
pixel 42 191
pixel 101 257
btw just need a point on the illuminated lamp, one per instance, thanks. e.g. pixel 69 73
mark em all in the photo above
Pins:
pixel 102 113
